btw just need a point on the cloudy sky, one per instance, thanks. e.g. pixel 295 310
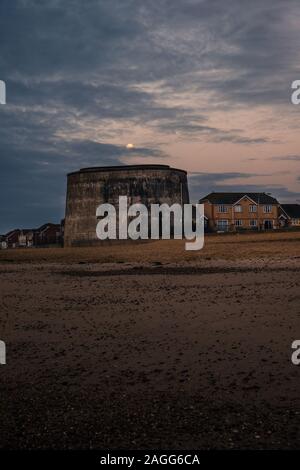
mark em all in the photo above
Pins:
pixel 203 85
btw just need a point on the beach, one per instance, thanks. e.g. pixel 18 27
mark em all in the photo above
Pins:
pixel 150 346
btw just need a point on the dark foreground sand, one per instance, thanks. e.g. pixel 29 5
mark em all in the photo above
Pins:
pixel 136 357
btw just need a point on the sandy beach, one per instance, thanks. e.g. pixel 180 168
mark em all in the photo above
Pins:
pixel 151 346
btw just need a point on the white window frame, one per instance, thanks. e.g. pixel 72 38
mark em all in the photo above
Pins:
pixel 268 208
pixel 225 223
pixel 295 221
pixel 253 223
pixel 222 208
pixel 252 208
pixel 238 222
pixel 238 208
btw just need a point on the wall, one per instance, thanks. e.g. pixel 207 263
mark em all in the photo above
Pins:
pixel 87 189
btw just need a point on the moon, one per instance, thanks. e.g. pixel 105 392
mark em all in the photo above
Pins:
pixel 129 146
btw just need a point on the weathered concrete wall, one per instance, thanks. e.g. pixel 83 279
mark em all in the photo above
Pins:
pixel 90 187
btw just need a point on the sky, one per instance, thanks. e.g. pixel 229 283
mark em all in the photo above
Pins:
pixel 202 85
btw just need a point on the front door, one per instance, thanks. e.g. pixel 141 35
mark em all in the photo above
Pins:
pixel 268 225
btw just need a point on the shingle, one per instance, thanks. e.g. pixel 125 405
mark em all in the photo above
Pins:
pixel 231 198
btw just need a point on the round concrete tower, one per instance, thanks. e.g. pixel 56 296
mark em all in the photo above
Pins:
pixel 90 187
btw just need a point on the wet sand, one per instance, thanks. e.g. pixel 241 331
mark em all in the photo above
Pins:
pixel 150 355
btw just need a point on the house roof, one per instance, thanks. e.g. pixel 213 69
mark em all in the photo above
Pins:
pixel 47 225
pixel 232 198
pixel 291 210
pixel 12 232
pixel 27 230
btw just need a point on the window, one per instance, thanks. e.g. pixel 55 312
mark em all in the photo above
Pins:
pixel 252 208
pixel 222 225
pixel 253 223
pixel 222 208
pixel 268 209
pixel 238 223
pixel 295 221
pixel 238 208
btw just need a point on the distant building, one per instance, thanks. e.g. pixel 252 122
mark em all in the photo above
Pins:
pixel 12 238
pixel 3 243
pixel 240 211
pixel 46 235
pixel 289 215
pixel 26 238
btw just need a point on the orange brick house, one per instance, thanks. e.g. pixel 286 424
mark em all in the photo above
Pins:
pixel 240 211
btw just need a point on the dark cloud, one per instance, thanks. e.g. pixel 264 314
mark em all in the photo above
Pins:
pixel 203 183
pixel 196 177
pixel 291 158
pixel 33 182
pixel 244 55
pixel 194 129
